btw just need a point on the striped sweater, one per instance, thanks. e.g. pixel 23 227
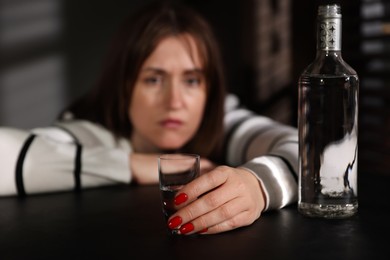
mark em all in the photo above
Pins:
pixel 77 154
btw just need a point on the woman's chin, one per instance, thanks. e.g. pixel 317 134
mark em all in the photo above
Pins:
pixel 170 146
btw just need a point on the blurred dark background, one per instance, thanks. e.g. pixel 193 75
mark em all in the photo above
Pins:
pixel 51 52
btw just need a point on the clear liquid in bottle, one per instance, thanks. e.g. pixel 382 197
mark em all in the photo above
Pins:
pixel 328 145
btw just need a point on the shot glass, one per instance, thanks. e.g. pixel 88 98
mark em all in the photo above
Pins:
pixel 175 170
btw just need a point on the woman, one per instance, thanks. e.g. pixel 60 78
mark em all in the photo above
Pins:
pixel 161 91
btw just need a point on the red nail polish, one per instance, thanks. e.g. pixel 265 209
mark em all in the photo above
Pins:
pixel 182 197
pixel 203 230
pixel 186 228
pixel 174 222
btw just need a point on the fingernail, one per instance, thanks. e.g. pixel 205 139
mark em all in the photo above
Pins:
pixel 203 230
pixel 174 222
pixel 182 197
pixel 186 228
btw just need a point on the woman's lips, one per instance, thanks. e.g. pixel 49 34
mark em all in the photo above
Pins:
pixel 171 123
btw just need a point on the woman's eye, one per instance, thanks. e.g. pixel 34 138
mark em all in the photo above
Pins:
pixel 153 80
pixel 193 81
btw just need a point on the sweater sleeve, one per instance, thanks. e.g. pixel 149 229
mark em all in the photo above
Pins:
pixel 266 148
pixel 68 156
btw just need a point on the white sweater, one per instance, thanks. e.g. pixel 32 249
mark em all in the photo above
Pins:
pixel 76 154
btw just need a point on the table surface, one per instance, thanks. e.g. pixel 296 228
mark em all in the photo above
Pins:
pixel 127 222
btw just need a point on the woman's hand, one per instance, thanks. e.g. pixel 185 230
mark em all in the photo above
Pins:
pixel 220 200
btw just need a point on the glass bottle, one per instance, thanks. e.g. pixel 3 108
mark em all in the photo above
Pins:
pixel 328 126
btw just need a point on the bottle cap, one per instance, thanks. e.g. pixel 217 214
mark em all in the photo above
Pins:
pixel 330 11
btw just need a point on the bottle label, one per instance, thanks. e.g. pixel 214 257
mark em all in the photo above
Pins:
pixel 330 34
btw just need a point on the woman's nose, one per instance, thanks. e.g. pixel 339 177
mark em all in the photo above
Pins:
pixel 174 95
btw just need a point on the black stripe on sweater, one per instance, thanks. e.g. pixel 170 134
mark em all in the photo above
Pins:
pixel 77 168
pixel 19 166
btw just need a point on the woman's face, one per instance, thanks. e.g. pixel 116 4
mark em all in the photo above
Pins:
pixel 169 96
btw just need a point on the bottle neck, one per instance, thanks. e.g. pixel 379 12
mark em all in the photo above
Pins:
pixel 329 54
pixel 329 33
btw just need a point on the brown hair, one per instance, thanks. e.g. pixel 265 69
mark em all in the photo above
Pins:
pixel 107 103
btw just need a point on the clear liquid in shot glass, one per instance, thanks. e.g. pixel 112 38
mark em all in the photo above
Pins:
pixel 168 194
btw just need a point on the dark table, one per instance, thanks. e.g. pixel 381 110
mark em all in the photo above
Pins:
pixel 127 223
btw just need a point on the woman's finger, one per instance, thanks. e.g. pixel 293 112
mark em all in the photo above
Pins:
pixel 242 219
pixel 219 215
pixel 202 185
